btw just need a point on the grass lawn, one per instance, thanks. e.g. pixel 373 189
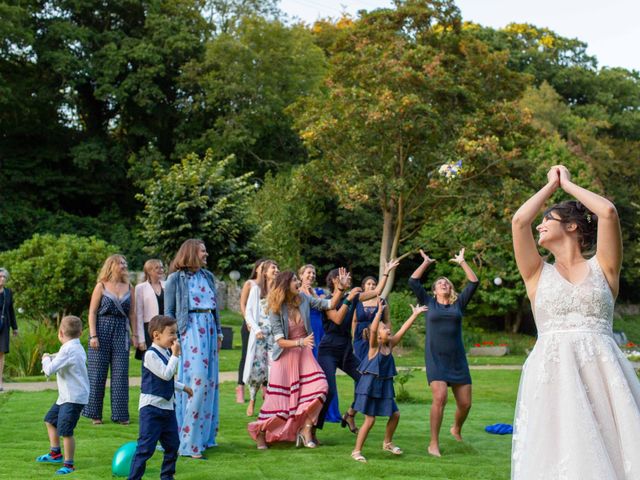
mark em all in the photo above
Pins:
pixel 481 456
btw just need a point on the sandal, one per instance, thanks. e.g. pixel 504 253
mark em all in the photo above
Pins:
pixel 390 447
pixel 358 457
pixel 344 422
pixel 65 470
pixel 48 458
pixel 97 421
pixel 123 422
pixel 301 439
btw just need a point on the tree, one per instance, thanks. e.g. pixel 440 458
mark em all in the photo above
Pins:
pixel 198 198
pixel 406 91
pixel 249 76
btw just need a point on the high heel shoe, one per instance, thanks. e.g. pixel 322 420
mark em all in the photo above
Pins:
pixel 301 440
pixel 344 422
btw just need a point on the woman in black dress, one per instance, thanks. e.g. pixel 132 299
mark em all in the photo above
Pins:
pixel 444 352
pixel 7 319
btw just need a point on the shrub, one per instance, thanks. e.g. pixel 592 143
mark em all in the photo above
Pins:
pixel 52 276
pixel 24 357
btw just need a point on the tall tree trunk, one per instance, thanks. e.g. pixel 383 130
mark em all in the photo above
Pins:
pixel 393 244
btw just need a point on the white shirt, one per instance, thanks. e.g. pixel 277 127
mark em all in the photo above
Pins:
pixel 155 365
pixel 70 367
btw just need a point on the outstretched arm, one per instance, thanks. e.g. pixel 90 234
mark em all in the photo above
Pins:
pixel 459 259
pixel 528 259
pixel 373 329
pixel 609 241
pixel 391 265
pixel 415 312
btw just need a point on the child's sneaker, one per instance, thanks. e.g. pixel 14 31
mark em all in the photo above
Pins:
pixel 66 469
pixel 50 458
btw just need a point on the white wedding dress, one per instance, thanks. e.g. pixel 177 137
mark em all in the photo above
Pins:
pixel 578 409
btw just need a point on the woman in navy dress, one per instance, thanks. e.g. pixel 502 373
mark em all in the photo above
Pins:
pixel 445 356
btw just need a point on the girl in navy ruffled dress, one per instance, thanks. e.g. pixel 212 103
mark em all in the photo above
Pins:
pixel 374 391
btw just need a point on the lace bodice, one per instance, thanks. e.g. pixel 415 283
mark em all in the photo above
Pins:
pixel 563 306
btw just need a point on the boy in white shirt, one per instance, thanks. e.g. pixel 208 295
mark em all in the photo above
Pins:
pixel 157 413
pixel 70 367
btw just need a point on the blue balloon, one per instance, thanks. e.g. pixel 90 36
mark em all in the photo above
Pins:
pixel 121 463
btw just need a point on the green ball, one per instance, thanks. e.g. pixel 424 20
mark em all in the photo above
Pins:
pixel 121 463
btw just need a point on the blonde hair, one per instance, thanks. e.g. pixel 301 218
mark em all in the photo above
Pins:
pixel 107 272
pixel 187 257
pixel 303 268
pixel 453 296
pixel 281 293
pixel 150 265
pixel 71 326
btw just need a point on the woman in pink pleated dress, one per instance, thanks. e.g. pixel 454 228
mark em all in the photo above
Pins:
pixel 297 385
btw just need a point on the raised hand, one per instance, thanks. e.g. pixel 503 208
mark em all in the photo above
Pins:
pixel 459 258
pixel 381 306
pixel 390 265
pixel 565 175
pixel 418 309
pixel 344 278
pixel 553 176
pixel 425 258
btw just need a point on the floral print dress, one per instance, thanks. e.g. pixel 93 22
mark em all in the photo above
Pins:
pixel 259 374
pixel 198 416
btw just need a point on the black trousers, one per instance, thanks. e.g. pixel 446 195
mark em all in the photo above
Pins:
pixel 244 334
pixel 331 357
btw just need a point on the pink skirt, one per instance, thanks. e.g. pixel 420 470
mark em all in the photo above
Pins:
pixel 297 389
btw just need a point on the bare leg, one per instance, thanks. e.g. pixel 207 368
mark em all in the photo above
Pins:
pixel 392 424
pixel 462 393
pixel 54 439
pixel 69 447
pixel 368 423
pixel 252 399
pixel 439 393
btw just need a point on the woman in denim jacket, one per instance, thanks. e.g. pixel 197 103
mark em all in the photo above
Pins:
pixel 190 297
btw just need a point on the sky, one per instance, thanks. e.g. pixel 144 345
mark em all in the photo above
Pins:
pixel 609 28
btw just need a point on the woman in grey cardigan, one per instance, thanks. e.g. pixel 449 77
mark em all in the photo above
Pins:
pixel 297 385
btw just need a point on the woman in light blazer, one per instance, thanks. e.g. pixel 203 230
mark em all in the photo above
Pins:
pixel 297 385
pixel 149 302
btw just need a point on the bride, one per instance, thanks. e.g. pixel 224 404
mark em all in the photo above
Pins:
pixel 578 409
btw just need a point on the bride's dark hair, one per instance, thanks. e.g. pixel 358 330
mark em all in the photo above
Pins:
pixel 572 211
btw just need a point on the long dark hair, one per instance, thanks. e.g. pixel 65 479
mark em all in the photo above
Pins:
pixel 281 293
pixel 572 211
pixel 254 272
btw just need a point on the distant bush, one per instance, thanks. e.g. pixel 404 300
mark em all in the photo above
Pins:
pixel 25 354
pixel 52 276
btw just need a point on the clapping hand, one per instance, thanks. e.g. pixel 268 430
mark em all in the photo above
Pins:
pixel 553 176
pixel 459 258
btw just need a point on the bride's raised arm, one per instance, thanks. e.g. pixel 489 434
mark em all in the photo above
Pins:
pixel 528 259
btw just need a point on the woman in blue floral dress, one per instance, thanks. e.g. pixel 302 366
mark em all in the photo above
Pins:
pixel 191 299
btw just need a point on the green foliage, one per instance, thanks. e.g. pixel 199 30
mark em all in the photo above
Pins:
pixel 403 395
pixel 198 198
pixel 248 77
pixel 52 276
pixel 36 337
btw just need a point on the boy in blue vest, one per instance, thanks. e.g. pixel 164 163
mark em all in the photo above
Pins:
pixel 157 414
